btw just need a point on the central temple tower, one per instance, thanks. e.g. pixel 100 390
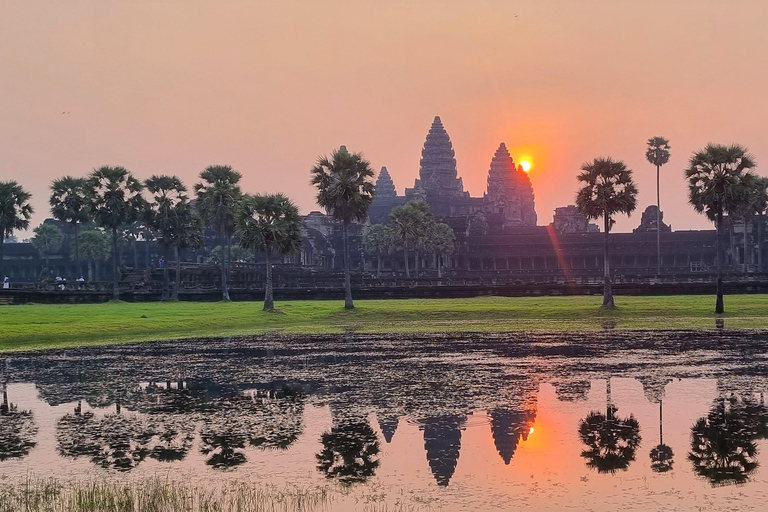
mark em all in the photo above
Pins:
pixel 438 181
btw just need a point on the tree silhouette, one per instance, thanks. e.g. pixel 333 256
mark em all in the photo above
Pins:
pixel 345 189
pixel 17 430
pixel 218 195
pixel 658 155
pixel 716 186
pixel 269 224
pixel 47 240
pixel 350 452
pixel 723 449
pixel 69 203
pixel 169 198
pixel 611 441
pixel 15 212
pixel 115 441
pixel 607 189
pixel 114 200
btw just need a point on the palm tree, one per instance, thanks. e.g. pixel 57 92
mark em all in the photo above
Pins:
pixel 47 240
pixel 69 204
pixel 217 198
pixel 114 199
pixel 716 177
pixel 377 240
pixel 442 240
pixel 15 212
pixel 269 224
pixel 658 154
pixel 760 207
pixel 608 189
pixel 188 234
pixel 411 224
pixel 168 192
pixel 345 189
pixel 94 246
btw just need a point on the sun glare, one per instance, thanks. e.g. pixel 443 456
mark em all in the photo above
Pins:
pixel 530 431
pixel 526 165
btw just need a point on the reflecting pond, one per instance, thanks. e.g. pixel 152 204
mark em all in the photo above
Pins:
pixel 641 421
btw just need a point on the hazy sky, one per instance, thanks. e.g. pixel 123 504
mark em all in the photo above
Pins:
pixel 267 87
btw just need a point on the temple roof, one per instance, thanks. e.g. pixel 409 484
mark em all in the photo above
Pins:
pixel 385 187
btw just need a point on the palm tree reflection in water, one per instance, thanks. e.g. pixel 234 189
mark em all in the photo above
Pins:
pixel 611 441
pixel 17 430
pixel 723 448
pixel 350 452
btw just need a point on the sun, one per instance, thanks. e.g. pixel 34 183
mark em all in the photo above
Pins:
pixel 526 165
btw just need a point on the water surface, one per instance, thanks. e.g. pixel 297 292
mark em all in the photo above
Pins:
pixel 640 421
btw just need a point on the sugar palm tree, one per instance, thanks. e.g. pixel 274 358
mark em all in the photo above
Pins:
pixel 218 195
pixel 114 199
pixel 269 224
pixel 716 182
pixel 658 154
pixel 442 241
pixel 411 224
pixel 168 192
pixel 15 212
pixel 188 234
pixel 94 247
pixel 69 203
pixel 760 208
pixel 47 240
pixel 345 189
pixel 377 240
pixel 607 190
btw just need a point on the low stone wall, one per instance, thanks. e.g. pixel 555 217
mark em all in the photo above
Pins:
pixel 384 292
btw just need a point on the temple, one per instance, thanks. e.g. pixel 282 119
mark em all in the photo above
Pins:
pixel 507 203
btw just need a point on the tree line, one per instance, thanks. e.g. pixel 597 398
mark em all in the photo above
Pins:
pixel 720 182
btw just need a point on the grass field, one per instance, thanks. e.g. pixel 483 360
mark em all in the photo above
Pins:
pixel 36 326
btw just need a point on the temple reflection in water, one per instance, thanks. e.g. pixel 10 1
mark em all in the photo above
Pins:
pixel 221 403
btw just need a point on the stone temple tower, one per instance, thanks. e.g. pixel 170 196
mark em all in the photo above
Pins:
pixel 438 181
pixel 510 192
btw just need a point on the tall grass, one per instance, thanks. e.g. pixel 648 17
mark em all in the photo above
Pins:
pixel 158 495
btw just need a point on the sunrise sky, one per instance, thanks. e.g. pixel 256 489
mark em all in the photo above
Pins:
pixel 267 87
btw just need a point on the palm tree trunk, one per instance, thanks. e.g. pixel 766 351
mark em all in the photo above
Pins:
pixel 166 280
pixel 661 430
pixel 115 276
pixel 2 250
pixel 76 228
pixel 658 225
pixel 719 301
pixel 745 245
pixel 407 270
pixel 348 304
pixel 90 270
pixel 224 291
pixel 416 262
pixel 177 277
pixel 269 302
pixel 760 243
pixel 48 262
pixel 607 292
pixel 438 264
pixel 378 265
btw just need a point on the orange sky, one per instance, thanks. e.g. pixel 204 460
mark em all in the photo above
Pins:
pixel 173 86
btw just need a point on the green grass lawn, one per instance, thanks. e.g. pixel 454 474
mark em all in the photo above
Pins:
pixel 38 326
